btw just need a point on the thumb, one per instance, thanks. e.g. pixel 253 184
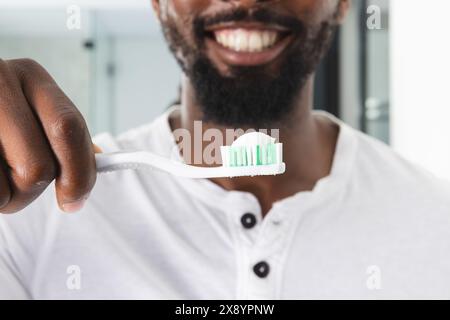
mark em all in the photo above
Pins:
pixel 97 149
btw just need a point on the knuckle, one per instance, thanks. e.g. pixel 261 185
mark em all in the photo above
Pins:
pixel 25 63
pixel 23 66
pixel 35 175
pixel 7 82
pixel 68 126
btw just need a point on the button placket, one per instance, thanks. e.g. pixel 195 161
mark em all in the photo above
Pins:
pixel 260 246
pixel 245 217
pixel 261 279
pixel 249 220
pixel 266 254
pixel 261 269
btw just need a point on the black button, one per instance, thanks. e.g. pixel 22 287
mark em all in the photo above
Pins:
pixel 261 269
pixel 248 220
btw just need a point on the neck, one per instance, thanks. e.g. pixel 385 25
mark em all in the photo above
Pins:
pixel 308 148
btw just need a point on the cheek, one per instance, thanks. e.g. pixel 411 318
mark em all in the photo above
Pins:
pixel 182 12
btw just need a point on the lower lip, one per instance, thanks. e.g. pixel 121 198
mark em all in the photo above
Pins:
pixel 235 58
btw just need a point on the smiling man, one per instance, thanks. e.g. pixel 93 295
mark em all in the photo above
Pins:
pixel 348 219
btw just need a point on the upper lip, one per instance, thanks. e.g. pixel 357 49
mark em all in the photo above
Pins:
pixel 246 25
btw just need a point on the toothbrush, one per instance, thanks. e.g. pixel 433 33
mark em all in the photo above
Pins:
pixel 252 154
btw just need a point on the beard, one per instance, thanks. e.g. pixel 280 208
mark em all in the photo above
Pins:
pixel 250 97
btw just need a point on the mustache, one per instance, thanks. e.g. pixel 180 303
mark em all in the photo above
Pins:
pixel 261 15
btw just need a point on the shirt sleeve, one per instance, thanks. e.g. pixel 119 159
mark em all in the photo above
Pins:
pixel 10 285
pixel 22 236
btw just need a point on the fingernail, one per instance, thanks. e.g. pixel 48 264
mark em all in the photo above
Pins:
pixel 71 207
pixel 97 149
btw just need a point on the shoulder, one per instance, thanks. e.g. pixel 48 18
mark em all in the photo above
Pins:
pixel 385 172
pixel 154 136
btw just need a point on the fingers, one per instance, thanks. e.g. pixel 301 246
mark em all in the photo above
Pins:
pixel 66 132
pixel 28 165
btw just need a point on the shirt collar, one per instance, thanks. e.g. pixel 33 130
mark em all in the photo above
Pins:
pixel 330 186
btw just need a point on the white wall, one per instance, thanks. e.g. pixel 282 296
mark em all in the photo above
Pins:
pixel 65 59
pixel 420 53
pixel 147 79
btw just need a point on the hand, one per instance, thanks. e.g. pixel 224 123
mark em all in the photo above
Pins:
pixel 43 137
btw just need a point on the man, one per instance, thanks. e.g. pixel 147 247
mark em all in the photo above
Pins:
pixel 349 218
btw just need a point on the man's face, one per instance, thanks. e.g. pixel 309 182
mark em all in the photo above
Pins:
pixel 248 60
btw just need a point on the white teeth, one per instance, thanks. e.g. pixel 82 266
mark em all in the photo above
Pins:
pixel 243 40
pixel 272 37
pixel 266 39
pixel 255 42
pixel 221 37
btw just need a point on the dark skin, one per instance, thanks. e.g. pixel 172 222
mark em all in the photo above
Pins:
pixel 309 141
pixel 43 137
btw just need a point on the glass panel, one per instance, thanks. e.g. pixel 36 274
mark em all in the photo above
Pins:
pixel 376 107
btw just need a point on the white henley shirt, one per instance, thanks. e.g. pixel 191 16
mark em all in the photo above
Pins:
pixel 377 227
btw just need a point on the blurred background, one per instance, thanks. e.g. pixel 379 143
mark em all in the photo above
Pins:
pixel 386 73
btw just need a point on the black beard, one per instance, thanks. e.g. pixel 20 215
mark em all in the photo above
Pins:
pixel 250 97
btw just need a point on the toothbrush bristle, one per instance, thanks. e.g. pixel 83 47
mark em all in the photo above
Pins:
pixel 257 155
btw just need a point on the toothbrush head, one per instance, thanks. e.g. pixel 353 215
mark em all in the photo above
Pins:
pixel 255 152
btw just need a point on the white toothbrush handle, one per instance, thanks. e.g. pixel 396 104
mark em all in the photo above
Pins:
pixel 107 162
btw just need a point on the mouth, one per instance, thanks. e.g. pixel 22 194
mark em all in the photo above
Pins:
pixel 248 44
